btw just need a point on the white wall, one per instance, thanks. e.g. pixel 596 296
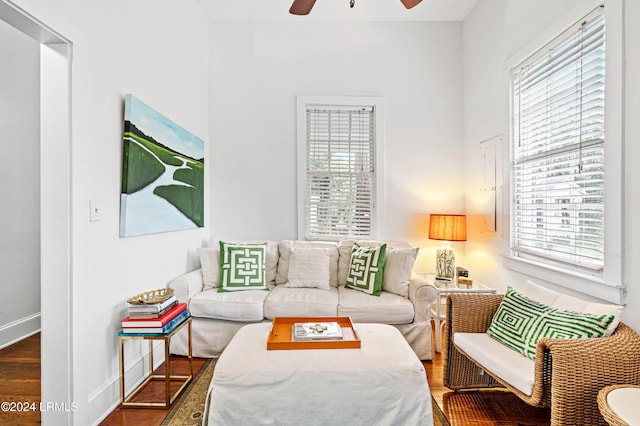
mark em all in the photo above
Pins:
pixel 258 69
pixel 19 185
pixel 493 32
pixel 158 52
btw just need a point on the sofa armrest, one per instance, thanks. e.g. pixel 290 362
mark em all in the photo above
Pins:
pixel 422 295
pixel 187 285
pixel 576 369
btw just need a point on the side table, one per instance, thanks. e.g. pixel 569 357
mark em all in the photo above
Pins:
pixel 443 288
pixel 167 377
pixel 618 404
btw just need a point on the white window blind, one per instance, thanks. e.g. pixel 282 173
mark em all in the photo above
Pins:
pixel 340 172
pixel 558 150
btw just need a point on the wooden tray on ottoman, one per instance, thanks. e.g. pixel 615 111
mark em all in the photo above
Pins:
pixel 280 334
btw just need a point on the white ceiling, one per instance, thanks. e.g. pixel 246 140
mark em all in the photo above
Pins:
pixel 338 10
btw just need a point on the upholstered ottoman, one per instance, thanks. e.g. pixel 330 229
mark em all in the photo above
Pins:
pixel 381 383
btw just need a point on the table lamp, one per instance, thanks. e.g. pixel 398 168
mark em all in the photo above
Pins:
pixel 447 228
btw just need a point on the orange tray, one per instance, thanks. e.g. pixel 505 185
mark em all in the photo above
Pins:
pixel 280 335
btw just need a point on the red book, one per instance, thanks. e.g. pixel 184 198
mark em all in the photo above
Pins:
pixel 156 322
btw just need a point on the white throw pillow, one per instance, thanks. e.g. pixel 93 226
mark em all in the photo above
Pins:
pixel 210 264
pixel 397 270
pixel 285 247
pixel 309 267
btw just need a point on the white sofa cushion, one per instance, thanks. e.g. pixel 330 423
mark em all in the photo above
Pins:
pixel 509 365
pixel 397 270
pixel 245 306
pixel 301 302
pixel 563 301
pixel 345 247
pixel 286 247
pixel 309 267
pixel 387 308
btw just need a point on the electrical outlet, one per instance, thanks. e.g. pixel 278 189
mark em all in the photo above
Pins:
pixel 95 212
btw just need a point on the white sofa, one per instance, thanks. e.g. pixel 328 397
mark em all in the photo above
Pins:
pixel 404 302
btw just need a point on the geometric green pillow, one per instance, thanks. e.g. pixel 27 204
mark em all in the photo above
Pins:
pixel 242 267
pixel 520 323
pixel 559 324
pixel 366 267
pixel 513 320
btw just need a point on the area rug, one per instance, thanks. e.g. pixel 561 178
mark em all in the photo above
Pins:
pixel 189 408
pixel 488 408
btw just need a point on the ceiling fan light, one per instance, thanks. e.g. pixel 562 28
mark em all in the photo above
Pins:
pixel 301 7
pixel 410 3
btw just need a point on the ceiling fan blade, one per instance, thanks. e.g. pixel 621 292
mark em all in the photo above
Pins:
pixel 302 7
pixel 410 3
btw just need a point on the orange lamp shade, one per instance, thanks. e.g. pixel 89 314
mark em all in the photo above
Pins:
pixel 448 227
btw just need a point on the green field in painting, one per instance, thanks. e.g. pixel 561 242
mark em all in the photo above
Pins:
pixel 188 199
pixel 139 169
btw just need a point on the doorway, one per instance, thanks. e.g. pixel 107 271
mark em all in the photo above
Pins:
pixel 55 210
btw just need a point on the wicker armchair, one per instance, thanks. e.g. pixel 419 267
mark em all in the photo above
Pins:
pixel 568 373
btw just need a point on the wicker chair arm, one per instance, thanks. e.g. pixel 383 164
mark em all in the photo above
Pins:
pixel 587 365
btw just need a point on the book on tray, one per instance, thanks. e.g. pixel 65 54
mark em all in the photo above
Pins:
pixel 161 321
pixel 129 328
pixel 305 331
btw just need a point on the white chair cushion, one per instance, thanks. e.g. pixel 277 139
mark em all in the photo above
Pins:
pixel 387 308
pixel 301 302
pixel 569 303
pixel 501 361
pixel 245 306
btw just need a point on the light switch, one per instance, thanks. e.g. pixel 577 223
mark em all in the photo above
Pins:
pixel 95 213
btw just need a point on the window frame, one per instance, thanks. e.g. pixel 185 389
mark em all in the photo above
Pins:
pixel 302 102
pixel 607 284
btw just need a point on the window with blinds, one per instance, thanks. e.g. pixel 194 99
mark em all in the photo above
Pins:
pixel 557 208
pixel 340 172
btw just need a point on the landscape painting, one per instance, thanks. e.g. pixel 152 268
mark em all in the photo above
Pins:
pixel 162 174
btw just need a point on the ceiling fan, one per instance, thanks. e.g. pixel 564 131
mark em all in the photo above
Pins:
pixel 303 7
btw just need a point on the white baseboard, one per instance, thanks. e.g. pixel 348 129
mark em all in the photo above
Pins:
pixel 19 329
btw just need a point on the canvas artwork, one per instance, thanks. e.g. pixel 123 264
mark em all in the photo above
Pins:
pixel 162 174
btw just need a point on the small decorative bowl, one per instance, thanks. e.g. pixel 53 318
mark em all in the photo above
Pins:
pixel 151 297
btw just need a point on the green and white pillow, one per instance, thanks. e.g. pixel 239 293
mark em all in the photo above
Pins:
pixel 242 267
pixel 366 268
pixel 520 323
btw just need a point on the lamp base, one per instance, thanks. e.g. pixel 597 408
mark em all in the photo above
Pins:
pixel 445 262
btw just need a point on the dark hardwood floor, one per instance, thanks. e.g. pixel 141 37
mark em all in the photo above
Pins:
pixel 20 383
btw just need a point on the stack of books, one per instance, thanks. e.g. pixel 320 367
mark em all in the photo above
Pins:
pixel 156 318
